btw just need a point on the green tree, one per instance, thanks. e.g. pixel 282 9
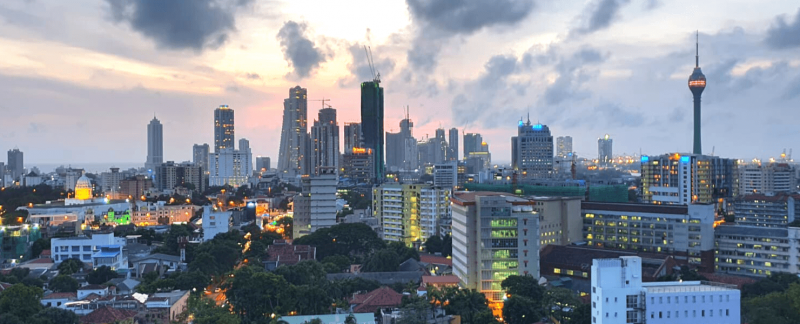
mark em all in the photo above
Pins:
pixel 385 260
pixel 447 246
pixel 434 244
pixel 468 303
pixel 340 261
pixel 256 294
pixel 414 310
pixel 70 266
pixel 20 273
pixel 309 272
pixel 524 299
pixel 100 275
pixel 205 311
pixel 21 301
pixel 776 282
pixel 773 308
pixel 53 315
pixel 559 303
pixel 403 252
pixel 343 239
pixel 63 283
pixel 192 280
pixel 38 246
pixel 312 300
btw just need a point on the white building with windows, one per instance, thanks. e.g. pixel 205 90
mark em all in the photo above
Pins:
pixel 214 222
pixel 619 296
pixel 104 249
pixel 230 166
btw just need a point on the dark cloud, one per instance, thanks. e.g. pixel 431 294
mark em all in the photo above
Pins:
pixel 573 71
pixel 599 15
pixel 783 35
pixel 179 24
pixel 359 66
pixel 253 76
pixel 298 50
pixel 468 16
pixel 488 94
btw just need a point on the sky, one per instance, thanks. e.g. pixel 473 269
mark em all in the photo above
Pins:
pixel 81 79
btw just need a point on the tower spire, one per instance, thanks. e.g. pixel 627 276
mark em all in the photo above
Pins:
pixel 697 50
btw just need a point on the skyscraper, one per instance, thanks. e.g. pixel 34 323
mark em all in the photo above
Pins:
pixel 532 150
pixel 563 146
pixel 262 163
pixel 604 153
pixel 697 83
pixel 472 143
pixel 223 128
pixel 352 137
pixel 372 123
pixel 325 141
pixel 294 134
pixel 401 147
pixel 452 145
pixel 155 144
pixel 15 166
pixel 244 147
pixel 200 156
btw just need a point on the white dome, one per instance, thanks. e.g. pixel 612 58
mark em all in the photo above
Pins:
pixel 83 183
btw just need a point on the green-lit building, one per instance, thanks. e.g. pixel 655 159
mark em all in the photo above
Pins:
pixel 372 124
pixel 16 241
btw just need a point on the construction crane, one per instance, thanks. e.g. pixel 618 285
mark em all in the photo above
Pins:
pixel 376 75
pixel 323 100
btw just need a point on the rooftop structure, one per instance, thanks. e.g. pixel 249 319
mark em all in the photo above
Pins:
pixel 697 83
pixel 282 252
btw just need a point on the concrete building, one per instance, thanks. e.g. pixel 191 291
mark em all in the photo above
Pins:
pixel 155 144
pixel 495 235
pixel 170 175
pixel 472 143
pixel 605 154
pixel 135 186
pixel 401 147
pixel 774 210
pixel 262 164
pixel 560 221
pixel 325 141
pixel 410 213
pixel 686 232
pixel 230 166
pixel 105 249
pixel 445 175
pixel 563 146
pixel 214 222
pixel 372 125
pixel 223 128
pixel 110 183
pixel 687 178
pixel 357 166
pixel 294 134
pixel 757 251
pixel 15 166
pixel 452 144
pixel 352 137
pixel 315 207
pixel 532 151
pixel 761 178
pixel 159 213
pixel 32 179
pixel 620 296
pixel 71 177
pixel 200 154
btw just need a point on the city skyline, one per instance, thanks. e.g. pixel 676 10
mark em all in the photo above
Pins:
pixel 574 69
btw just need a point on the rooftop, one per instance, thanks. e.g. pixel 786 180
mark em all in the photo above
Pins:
pixel 637 208
pixel 379 298
pixel 108 315
pixel 61 295
pixel 686 286
pixel 92 287
pixel 465 198
pixel 728 229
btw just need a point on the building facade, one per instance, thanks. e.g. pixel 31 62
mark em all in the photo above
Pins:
pixel 294 134
pixel 757 251
pixel 262 163
pixel 161 214
pixel 111 183
pixel 357 167
pixel 560 221
pixel 81 247
pixel 452 144
pixel 325 141
pixel 223 128
pixel 777 210
pixel 495 235
pixel 155 144
pixel 200 154
pixel 170 175
pixel 230 166
pixel 532 151
pixel 687 178
pixel 315 207
pixel 563 146
pixel 620 296
pixel 686 232
pixel 472 143
pixel 15 166
pixel 410 213
pixel 135 186
pixel 605 154
pixel 352 137
pixel 761 178
pixel 445 175
pixel 372 125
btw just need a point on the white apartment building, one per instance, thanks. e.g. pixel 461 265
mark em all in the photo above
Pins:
pixel 757 251
pixel 620 296
pixel 560 221
pixel 214 222
pixel 410 213
pixel 230 166
pixel 86 248
pixel 495 235
pixel 770 210
pixel 755 177
pixel 315 207
pixel 684 231
pixel 445 175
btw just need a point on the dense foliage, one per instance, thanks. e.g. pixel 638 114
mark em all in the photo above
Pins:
pixel 774 300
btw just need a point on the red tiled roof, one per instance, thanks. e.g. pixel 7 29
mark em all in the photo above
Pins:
pixel 107 315
pixel 4 286
pixel 288 254
pixel 433 259
pixel 45 253
pixel 379 298
pixel 61 295
pixel 91 296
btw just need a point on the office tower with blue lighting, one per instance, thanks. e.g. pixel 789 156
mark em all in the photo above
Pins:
pixel 532 151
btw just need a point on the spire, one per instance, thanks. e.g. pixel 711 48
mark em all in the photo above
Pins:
pixel 529 118
pixel 697 50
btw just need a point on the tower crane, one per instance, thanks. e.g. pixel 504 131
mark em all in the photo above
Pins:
pixel 323 100
pixel 376 75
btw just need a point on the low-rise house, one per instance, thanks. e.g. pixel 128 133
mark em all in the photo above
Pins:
pixel 383 297
pixel 87 290
pixel 166 306
pixel 282 252
pixel 361 318
pixel 125 286
pixel 162 262
pixel 58 299
pixel 109 315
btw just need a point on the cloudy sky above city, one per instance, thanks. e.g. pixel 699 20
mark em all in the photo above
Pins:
pixel 81 79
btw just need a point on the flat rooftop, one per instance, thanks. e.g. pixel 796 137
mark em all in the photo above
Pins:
pixel 687 286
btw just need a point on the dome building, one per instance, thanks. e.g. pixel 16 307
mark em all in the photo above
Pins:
pixel 83 189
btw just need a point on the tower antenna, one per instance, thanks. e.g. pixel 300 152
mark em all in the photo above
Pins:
pixel 697 50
